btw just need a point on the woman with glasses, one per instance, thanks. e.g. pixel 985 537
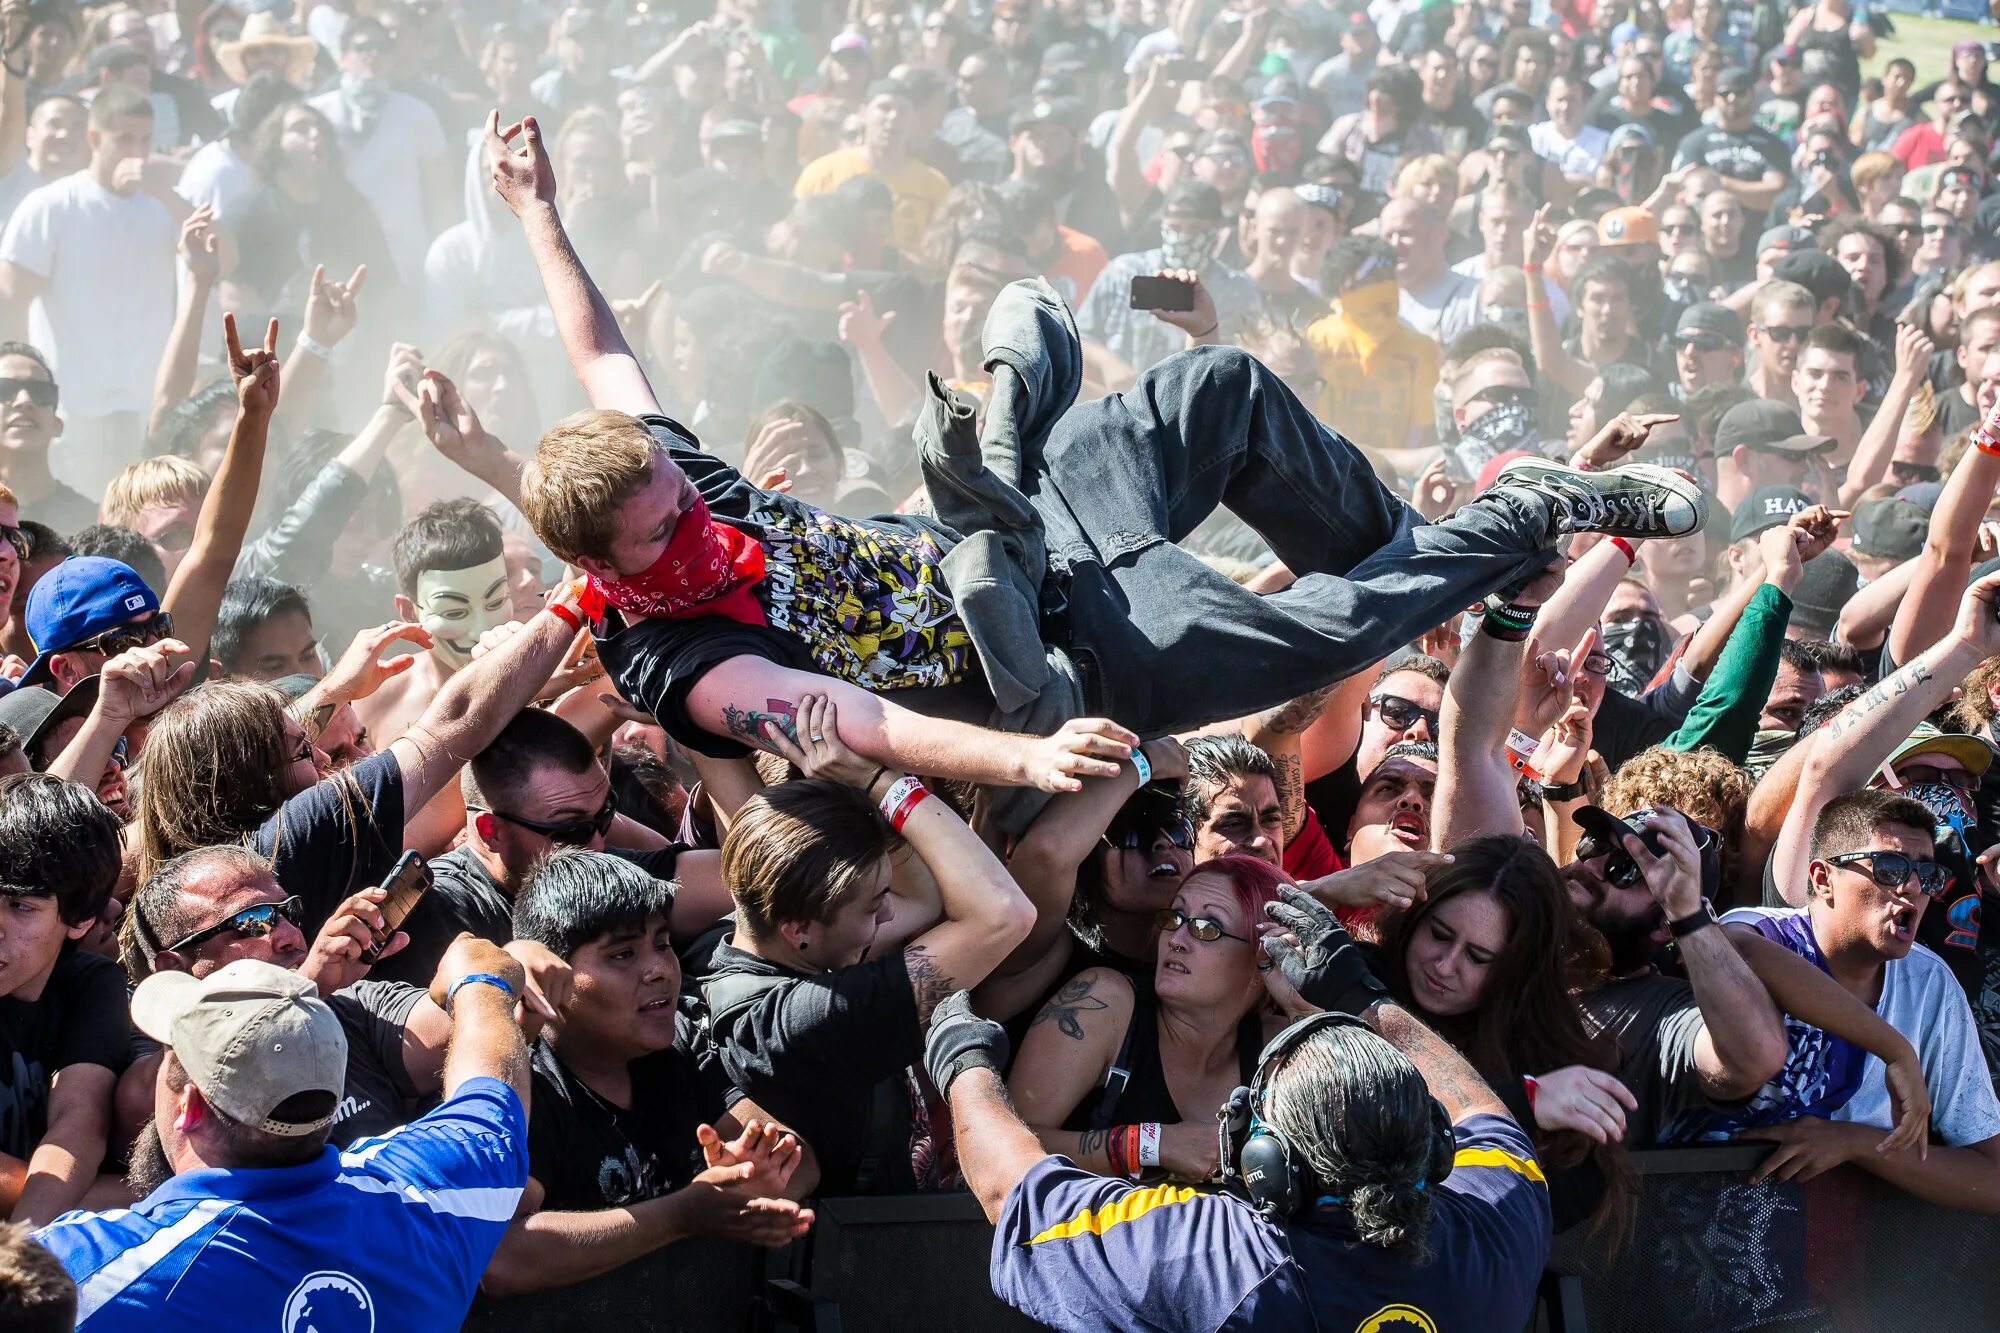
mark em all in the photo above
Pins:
pixel 1125 1079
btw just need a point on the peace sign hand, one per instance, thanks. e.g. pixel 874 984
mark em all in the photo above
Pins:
pixel 255 371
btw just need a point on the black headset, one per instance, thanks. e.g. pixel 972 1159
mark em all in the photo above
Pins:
pixel 1255 1154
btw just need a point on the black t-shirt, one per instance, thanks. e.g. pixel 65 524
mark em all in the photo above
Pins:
pixel 1738 155
pixel 1656 1022
pixel 81 1018
pixel 464 897
pixel 589 1153
pixel 337 837
pixel 863 602
pixel 1661 116
pixel 64 510
pixel 817 1051
pixel 379 1095
pixel 1459 126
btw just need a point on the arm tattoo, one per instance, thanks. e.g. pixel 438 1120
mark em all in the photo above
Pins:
pixel 928 980
pixel 1896 686
pixel 1066 1004
pixel 1291 787
pixel 1288 719
pixel 1090 1141
pixel 748 724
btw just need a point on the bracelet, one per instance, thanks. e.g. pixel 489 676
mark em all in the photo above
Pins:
pixel 1564 791
pixel 869 785
pixel 318 349
pixel 905 795
pixel 480 979
pixel 1538 305
pixel 1210 329
pixel 1507 622
pixel 1631 556
pixel 1520 746
pixel 1143 764
pixel 1533 1086
pixel 1531 267
pixel 1986 442
pixel 1149 1143
pixel 566 613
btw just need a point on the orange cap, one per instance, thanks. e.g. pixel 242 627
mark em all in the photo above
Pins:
pixel 1628 226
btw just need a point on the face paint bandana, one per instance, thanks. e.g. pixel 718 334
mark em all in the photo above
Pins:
pixel 708 569
pixel 1194 250
pixel 1500 429
pixel 1636 649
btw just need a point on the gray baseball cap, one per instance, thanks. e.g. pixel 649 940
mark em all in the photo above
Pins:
pixel 251 1035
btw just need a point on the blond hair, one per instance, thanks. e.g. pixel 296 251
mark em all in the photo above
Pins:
pixel 1428 169
pixel 587 465
pixel 7 496
pixel 1872 167
pixel 162 480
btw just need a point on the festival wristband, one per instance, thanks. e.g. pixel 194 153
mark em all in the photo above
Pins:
pixel 1631 556
pixel 1533 1087
pixel 476 978
pixel 903 796
pixel 318 349
pixel 1507 622
pixel 1149 1143
pixel 566 613
pixel 1143 764
pixel 1520 745
pixel 1985 441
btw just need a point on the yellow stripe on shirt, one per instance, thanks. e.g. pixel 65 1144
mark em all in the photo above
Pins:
pixel 1500 1157
pixel 1129 1207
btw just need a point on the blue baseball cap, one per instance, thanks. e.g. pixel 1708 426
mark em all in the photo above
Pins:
pixel 80 599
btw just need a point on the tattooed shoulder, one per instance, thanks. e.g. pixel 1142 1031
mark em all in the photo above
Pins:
pixel 1068 1005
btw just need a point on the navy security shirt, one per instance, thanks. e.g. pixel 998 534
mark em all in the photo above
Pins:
pixel 1080 1251
pixel 391 1233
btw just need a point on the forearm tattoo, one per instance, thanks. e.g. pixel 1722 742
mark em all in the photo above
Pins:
pixel 932 986
pixel 748 724
pixel 1067 1004
pixel 1090 1142
pixel 1878 698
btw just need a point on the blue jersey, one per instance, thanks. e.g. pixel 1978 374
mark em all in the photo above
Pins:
pixel 391 1233
pixel 1079 1251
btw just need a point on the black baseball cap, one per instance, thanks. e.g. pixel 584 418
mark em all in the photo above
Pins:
pixel 1816 271
pixel 1766 507
pixel 1710 317
pixel 1193 201
pixel 1763 423
pixel 1890 528
pixel 1605 832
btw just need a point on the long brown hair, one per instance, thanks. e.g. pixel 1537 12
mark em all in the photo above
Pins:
pixel 1528 1020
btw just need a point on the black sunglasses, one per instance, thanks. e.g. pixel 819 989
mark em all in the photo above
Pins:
pixel 568 832
pixel 42 393
pixel 1892 870
pixel 124 638
pixel 1139 837
pixel 17 539
pixel 1620 870
pixel 1400 714
pixel 1785 333
pixel 1912 774
pixel 1702 342
pixel 1203 929
pixel 251 923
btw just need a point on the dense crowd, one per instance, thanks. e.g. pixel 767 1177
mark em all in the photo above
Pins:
pixel 1269 634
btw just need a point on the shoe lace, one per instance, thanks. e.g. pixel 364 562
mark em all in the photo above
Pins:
pixel 1631 506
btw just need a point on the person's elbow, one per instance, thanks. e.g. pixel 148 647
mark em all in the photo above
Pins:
pixel 515 1269
pixel 1010 917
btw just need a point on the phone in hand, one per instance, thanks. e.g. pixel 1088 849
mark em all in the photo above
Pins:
pixel 1169 294
pixel 406 884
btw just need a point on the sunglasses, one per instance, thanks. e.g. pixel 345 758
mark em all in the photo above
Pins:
pixel 123 638
pixel 1911 473
pixel 1138 837
pixel 1203 929
pixel 1892 870
pixel 1940 229
pixel 568 832
pixel 1620 870
pixel 1703 342
pixel 251 923
pixel 42 393
pixel 1786 333
pixel 1679 228
pixel 17 539
pixel 1911 775
pixel 1400 714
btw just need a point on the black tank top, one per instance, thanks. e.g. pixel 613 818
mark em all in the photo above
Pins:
pixel 1135 1091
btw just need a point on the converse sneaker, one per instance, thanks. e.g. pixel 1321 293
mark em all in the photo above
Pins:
pixel 1633 501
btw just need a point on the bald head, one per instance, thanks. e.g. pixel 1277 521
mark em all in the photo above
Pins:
pixel 1415 231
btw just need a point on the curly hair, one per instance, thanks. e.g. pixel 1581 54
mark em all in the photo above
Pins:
pixel 1701 784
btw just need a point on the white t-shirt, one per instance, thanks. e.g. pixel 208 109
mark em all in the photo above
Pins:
pixel 109 304
pixel 216 175
pixel 1922 1000
pixel 15 186
pixel 389 168
pixel 1443 310
pixel 1573 157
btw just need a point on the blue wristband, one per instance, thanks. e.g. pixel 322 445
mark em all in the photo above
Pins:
pixel 1140 762
pixel 476 978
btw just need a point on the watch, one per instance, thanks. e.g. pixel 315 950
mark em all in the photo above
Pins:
pixel 1693 921
pixel 1564 791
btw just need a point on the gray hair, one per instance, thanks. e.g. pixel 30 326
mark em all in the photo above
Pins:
pixel 1358 1113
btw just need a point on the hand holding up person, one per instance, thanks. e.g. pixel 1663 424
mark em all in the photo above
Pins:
pixel 818 751
pixel 255 371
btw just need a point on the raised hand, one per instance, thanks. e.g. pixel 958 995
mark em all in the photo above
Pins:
pixel 255 371
pixel 198 246
pixel 1083 747
pixel 330 308
pixel 1435 491
pixel 335 958
pixel 1549 686
pixel 780 448
pixel 362 670
pixel 450 423
pixel 1620 436
pixel 1914 350
pixel 634 313
pixel 1538 243
pixel 860 325
pixel 399 379
pixel 139 682
pixel 1199 322
pixel 523 176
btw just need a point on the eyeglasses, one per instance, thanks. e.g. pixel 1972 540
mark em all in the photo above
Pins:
pixel 1679 228
pixel 1203 929
pixel 1400 714
pixel 251 923
pixel 367 48
pixel 123 638
pixel 568 832
pixel 1892 870
pixel 304 753
pixel 1597 664
pixel 1785 333
pixel 1702 342
pixel 42 393
pixel 1911 775
pixel 1227 156
pixel 1140 838
pixel 17 539
pixel 1940 229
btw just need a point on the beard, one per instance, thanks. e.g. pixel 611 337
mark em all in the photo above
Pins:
pixel 1057 176
pixel 149 1167
pixel 1630 939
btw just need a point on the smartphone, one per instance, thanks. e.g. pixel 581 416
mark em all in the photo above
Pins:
pixel 1149 293
pixel 1186 69
pixel 406 884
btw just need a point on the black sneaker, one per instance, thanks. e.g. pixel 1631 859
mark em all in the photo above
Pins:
pixel 1633 501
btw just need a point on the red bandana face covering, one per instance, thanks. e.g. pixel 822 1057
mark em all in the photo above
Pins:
pixel 708 569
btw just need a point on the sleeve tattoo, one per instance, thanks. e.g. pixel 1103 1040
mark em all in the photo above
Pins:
pixel 747 724
pixel 1067 1004
pixel 928 980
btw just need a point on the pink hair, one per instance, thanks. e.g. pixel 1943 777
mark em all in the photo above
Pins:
pixel 1254 882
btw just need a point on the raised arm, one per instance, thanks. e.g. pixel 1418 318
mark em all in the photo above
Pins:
pixel 455 431
pixel 485 1038
pixel 605 366
pixel 1878 440
pixel 1124 171
pixel 735 698
pixel 175 378
pixel 1562 369
pixel 330 315
pixel 1946 560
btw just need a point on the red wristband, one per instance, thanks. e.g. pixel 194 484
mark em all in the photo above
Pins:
pixel 903 796
pixel 1986 442
pixel 1533 1086
pixel 1531 268
pixel 1631 556
pixel 565 613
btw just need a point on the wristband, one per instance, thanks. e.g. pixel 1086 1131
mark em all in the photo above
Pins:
pixel 1537 305
pixel 1520 745
pixel 1985 441
pixel 1533 1087
pixel 1507 622
pixel 1149 1143
pixel 1531 268
pixel 476 978
pixel 903 796
pixel 1144 765
pixel 1631 556
pixel 566 613
pixel 320 350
